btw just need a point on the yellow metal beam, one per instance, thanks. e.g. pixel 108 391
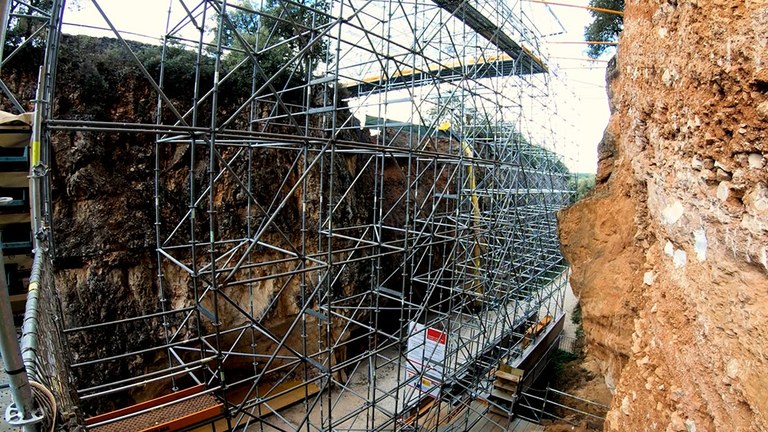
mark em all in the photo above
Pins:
pixel 596 9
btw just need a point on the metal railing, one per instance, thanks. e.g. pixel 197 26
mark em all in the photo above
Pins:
pixel 559 405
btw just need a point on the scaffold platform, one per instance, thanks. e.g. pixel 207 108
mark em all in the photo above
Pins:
pixel 172 412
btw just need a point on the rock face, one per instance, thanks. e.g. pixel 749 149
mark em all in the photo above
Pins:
pixel 106 267
pixel 670 252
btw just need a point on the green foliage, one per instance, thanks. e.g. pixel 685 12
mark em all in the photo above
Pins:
pixel 576 315
pixel 296 25
pixel 606 27
pixel 179 72
pixel 274 37
pixel 102 66
pixel 557 362
pixel 104 76
pixel 581 184
pixel 473 122
pixel 459 112
pixel 478 124
pixel 25 20
pixel 577 320
pixel 542 159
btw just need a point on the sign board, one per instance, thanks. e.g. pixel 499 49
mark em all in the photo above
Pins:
pixel 425 357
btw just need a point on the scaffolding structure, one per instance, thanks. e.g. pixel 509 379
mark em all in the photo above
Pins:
pixel 354 202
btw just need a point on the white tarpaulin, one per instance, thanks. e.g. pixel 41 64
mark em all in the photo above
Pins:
pixel 15 129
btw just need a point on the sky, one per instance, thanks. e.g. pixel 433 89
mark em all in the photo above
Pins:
pixel 582 97
pixel 578 84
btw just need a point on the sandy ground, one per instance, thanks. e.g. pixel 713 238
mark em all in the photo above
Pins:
pixel 357 395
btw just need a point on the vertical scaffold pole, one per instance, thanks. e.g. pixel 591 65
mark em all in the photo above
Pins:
pixel 21 412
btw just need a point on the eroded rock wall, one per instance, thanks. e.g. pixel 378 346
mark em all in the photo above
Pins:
pixel 670 252
pixel 105 266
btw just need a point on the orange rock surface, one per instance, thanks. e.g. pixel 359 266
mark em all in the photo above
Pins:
pixel 670 252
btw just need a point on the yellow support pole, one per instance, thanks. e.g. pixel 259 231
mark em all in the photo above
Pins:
pixel 478 288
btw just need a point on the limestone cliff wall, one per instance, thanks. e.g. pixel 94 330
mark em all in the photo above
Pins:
pixel 670 252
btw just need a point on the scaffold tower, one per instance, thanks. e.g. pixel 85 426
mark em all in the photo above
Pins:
pixel 353 209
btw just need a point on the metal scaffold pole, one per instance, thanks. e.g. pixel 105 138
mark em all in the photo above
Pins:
pixel 351 207
pixel 23 412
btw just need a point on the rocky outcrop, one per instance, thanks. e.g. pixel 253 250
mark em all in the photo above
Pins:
pixel 103 190
pixel 106 267
pixel 669 252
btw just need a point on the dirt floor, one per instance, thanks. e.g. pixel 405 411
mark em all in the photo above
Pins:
pixel 580 377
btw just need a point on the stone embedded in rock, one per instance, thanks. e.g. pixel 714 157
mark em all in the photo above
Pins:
pixel 723 190
pixel 679 258
pixel 648 278
pixel 700 244
pixel 672 213
pixel 756 160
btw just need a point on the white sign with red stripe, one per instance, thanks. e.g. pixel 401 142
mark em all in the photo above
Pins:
pixel 426 350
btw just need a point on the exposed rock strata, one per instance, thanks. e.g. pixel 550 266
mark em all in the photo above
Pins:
pixel 670 252
pixel 106 267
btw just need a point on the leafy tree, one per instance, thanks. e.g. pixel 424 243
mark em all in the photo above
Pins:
pixel 26 19
pixel 581 184
pixel 606 26
pixel 296 25
pixel 276 32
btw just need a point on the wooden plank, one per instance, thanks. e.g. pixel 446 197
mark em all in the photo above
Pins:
pixel 483 425
pixel 15 138
pixel 499 411
pixel 511 370
pixel 535 330
pixel 512 377
pixel 14 179
pixel 503 395
pixel 23 261
pixel 538 327
pixel 520 425
pixel 499 422
pixel 14 218
pixel 18 303
pixel 291 397
pixel 281 402
pixel 175 415
pixel 425 407
pixel 440 414
pixel 505 386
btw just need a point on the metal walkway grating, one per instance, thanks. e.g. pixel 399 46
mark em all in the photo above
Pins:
pixel 161 414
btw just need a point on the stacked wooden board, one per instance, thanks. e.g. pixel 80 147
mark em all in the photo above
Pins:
pixel 505 389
